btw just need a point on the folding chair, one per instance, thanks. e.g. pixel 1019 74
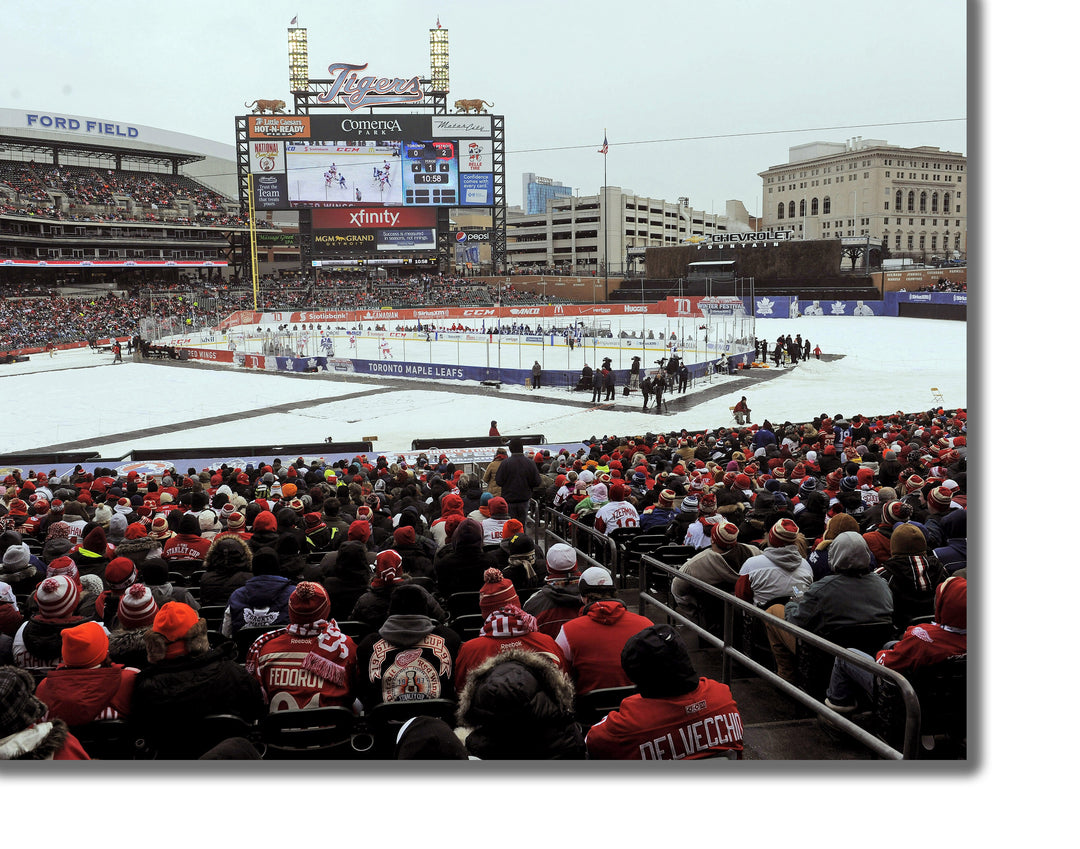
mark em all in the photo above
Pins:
pixel 321 733
pixel 591 707
pixel 935 394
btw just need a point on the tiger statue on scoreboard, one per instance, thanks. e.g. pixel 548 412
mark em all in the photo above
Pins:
pixel 272 106
pixel 476 106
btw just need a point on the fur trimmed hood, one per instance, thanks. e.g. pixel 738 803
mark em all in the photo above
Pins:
pixel 195 642
pixel 515 688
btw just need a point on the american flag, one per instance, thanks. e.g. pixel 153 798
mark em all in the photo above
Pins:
pixel 603 150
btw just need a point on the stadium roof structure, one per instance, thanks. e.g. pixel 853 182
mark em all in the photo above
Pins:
pixel 115 154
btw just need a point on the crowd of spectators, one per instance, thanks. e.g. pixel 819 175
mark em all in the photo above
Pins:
pixel 943 285
pixel 277 586
pixel 104 195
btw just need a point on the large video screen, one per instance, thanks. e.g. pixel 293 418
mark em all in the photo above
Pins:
pixel 407 161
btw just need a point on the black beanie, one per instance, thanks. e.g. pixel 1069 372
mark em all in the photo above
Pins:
pixel 658 662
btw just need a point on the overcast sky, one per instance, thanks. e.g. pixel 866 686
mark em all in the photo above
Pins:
pixel 696 97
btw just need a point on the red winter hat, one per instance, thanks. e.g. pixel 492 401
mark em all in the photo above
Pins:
pixel 497 592
pixel 511 527
pixel 236 521
pixel 387 569
pixel 360 530
pixel 617 492
pixel 405 535
pixel 120 573
pixel 84 646
pixel 264 521
pixel 308 603
pixel 313 521
pixel 497 506
pixel 95 541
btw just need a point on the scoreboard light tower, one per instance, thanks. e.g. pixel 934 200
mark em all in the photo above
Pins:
pixel 440 58
pixel 298 59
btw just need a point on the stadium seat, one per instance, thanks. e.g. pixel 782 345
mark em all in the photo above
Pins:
pixel 591 707
pixel 468 625
pixel 815 666
pixel 106 739
pixel 462 603
pixel 383 721
pixel 324 733
pixel 246 636
pixel 942 693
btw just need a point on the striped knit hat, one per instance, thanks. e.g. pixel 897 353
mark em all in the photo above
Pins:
pixel 784 532
pixel 58 597
pixel 497 592
pixel 725 536
pixel 137 608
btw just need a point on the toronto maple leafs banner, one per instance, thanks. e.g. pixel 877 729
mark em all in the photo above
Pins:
pixel 300 363
pixel 826 307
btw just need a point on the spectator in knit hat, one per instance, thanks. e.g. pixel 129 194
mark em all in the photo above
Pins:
pixel 318 536
pixel 596 497
pixel 451 505
pixel 676 713
pixel 592 642
pixel 309 662
pixel 372 608
pixel 346 576
pixel 119 575
pixel 414 562
pixel 505 625
pixel 939 505
pixel 186 681
pixel 94 553
pixel 819 557
pixel 718 566
pixel 25 734
pixel 127 641
pixel 617 512
pixel 518 705
pixel 912 574
pixel 87 685
pixel 557 601
pixel 661 514
pixel 778 570
pixel 519 557
pixel 18 571
pixel 893 513
pixel 922 646
pixel 493 524
pixel 263 600
pixel 462 568
pixel 698 532
pixel 154 574
pixel 38 641
pixel 852 595
pixel 188 543
pixel 228 567
pixel 411 657
pixel 428 738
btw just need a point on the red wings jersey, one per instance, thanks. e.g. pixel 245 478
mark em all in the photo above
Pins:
pixel 700 724
pixel 290 683
pixel 616 514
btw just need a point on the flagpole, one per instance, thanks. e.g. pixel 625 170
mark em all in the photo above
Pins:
pixel 605 218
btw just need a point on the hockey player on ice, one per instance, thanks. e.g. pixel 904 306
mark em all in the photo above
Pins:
pixel 328 345
pixel 384 350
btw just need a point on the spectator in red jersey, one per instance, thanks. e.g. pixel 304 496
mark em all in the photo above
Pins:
pixel 188 543
pixel 308 663
pixel 506 626
pixel 676 714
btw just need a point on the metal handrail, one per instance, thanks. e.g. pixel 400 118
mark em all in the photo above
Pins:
pixel 603 540
pixel 732 604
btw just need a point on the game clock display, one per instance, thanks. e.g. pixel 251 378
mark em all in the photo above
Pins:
pixel 430 173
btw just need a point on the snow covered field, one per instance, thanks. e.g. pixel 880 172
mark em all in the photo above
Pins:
pixel 888 364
